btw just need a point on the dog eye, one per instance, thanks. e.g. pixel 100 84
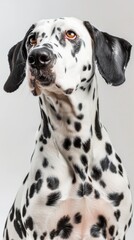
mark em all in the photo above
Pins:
pixel 32 40
pixel 71 35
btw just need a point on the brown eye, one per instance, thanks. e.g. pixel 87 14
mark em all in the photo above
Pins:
pixel 32 40
pixel 71 35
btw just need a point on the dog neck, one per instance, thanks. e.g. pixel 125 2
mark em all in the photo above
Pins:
pixel 70 124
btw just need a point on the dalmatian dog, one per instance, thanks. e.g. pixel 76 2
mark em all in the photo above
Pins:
pixel 77 187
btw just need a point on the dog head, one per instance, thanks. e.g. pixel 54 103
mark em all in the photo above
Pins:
pixel 61 54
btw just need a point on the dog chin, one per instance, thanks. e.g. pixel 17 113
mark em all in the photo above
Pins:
pixel 38 84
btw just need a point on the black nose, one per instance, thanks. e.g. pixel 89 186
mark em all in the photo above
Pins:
pixel 39 58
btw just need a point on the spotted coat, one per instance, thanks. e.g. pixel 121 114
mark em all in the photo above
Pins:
pixel 77 187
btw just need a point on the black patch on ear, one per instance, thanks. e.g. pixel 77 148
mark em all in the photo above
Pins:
pixel 111 54
pixel 17 61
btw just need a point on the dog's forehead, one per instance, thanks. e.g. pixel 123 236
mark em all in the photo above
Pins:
pixel 66 23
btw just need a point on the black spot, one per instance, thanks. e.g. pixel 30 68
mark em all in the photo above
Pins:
pixel 117 233
pixel 68 121
pixel 86 169
pixel 102 183
pixel 86 145
pixel 18 225
pixel 12 213
pixel 59 29
pixel 45 163
pixel 27 200
pixel 38 175
pixel 24 211
pixel 53 198
pixel 41 149
pixel 85 189
pixel 120 168
pixel 117 214
pixel 96 173
pixel 7 236
pixel 70 158
pixel 97 126
pixel 53 234
pixel 52 107
pixel 130 220
pixel 56 37
pixel 77 142
pixel 94 94
pixel 104 233
pixel 81 190
pixel 77 218
pixel 40 100
pixel 76 47
pixel 82 88
pixel 83 79
pixel 64 228
pixel 74 179
pixel 25 178
pixel 80 116
pixel 46 130
pixel 113 168
pixel 84 68
pixel 53 31
pixel 125 228
pixel 32 190
pixel 77 126
pixel 42 237
pixel 43 35
pixel 91 130
pixel 67 143
pixel 83 159
pixel 18 229
pixel 79 171
pixel 39 185
pixel 35 235
pixel 131 207
pixel 5 227
pixel 69 91
pixel 105 164
pixel 118 158
pixel 80 106
pixel 95 231
pixel 52 183
pixel 42 139
pixel 29 223
pixel 111 230
pixel 116 198
pixel 102 222
pixel 89 67
pixel 108 148
pixel 96 194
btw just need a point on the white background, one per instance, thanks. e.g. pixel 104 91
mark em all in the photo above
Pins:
pixel 19 113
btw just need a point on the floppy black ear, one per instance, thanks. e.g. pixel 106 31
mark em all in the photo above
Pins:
pixel 17 62
pixel 111 54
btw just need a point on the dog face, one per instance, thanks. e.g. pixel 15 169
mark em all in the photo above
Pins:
pixel 60 55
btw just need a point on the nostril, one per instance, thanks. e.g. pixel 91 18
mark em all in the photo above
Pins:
pixel 31 59
pixel 44 59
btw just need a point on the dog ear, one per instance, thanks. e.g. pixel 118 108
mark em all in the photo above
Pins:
pixel 111 54
pixel 17 62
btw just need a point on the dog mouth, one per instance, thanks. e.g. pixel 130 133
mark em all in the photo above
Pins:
pixel 40 79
